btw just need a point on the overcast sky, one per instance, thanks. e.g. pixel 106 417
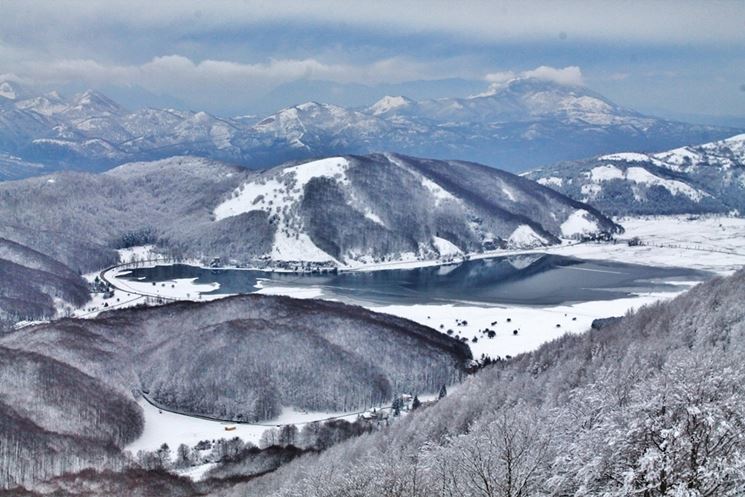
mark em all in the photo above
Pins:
pixel 675 57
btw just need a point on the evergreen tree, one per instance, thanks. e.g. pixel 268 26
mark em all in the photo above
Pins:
pixel 396 406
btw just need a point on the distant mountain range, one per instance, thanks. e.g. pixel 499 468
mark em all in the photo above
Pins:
pixel 708 178
pixel 520 124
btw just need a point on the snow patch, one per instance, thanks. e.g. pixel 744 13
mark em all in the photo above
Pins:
pixel 289 248
pixel 332 167
pixel 138 254
pixel 628 157
pixel 580 222
pixel 373 217
pixel 437 191
pixel 606 173
pixel 509 194
pixel 7 91
pixel 591 190
pixel 641 175
pixel 250 196
pixel 445 247
pixel 525 236
pixel 551 181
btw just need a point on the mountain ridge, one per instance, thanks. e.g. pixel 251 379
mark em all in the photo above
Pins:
pixel 342 211
pixel 694 179
pixel 523 123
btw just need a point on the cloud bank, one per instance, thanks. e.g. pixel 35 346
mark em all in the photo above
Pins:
pixel 666 21
pixel 570 75
pixel 203 83
pixel 215 54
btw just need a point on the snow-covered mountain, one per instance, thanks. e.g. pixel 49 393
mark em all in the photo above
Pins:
pixel 342 210
pixel 522 123
pixel 692 179
pixel 354 209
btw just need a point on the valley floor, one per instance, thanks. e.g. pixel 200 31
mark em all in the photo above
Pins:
pixel 709 243
pixel 174 429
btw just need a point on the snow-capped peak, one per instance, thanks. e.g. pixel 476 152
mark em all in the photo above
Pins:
pixel 93 101
pixel 389 103
pixel 725 154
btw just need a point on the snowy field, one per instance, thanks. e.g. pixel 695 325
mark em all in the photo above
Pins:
pixel 712 243
pixel 176 289
pixel 709 243
pixel 163 427
pixel 534 325
pixel 174 429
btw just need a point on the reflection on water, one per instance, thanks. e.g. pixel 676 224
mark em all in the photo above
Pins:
pixel 535 279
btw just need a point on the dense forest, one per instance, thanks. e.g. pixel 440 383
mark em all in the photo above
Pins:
pixel 35 286
pixel 241 358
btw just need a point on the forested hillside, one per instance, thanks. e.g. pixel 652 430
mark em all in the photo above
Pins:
pixel 652 405
pixel 343 210
pixel 70 386
pixel 57 419
pixel 35 286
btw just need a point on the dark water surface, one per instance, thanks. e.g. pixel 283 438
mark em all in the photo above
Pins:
pixel 535 279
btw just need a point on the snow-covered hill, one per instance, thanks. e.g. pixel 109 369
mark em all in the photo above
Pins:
pixel 342 210
pixel 353 210
pixel 522 123
pixel 34 286
pixel 692 179
pixel 68 385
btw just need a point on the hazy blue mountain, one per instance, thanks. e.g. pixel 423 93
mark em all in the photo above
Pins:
pixel 522 123
pixel 693 179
